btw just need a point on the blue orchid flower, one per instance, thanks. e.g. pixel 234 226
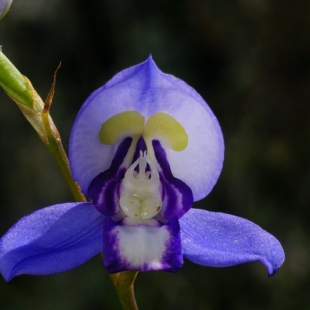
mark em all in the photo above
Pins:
pixel 143 148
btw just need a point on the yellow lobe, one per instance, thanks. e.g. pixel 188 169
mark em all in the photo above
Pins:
pixel 126 124
pixel 164 126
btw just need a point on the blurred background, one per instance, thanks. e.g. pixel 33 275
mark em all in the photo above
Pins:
pixel 250 60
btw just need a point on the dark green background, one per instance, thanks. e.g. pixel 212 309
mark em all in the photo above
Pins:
pixel 249 59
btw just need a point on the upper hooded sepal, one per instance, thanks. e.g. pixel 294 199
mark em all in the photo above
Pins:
pixel 147 90
pixel 52 240
pixel 142 245
pixel 221 240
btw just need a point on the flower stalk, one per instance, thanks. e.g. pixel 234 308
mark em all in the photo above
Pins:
pixel 55 147
pixel 124 285
pixel 20 90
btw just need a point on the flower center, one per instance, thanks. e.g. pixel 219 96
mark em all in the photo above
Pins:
pixel 141 190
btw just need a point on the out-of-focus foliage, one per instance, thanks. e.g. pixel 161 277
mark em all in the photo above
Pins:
pixel 250 60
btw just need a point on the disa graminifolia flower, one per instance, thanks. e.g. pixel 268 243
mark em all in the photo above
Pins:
pixel 143 148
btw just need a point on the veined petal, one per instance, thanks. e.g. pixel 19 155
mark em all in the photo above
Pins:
pixel 220 240
pixel 144 88
pixel 51 240
pixel 148 245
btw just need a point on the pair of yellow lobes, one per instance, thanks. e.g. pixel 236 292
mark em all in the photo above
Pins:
pixel 132 123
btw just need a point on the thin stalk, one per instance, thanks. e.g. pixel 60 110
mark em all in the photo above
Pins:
pixel 56 149
pixel 55 146
pixel 124 285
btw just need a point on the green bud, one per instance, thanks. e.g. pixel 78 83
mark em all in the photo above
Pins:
pixel 20 89
pixel 14 83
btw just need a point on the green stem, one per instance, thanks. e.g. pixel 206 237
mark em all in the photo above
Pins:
pixel 124 285
pixel 56 149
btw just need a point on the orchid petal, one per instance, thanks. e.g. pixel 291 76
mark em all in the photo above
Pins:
pixel 220 240
pixel 51 240
pixel 144 88
pixel 145 245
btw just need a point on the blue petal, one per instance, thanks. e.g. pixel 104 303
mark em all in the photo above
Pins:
pixel 220 240
pixel 52 240
pixel 4 7
pixel 144 88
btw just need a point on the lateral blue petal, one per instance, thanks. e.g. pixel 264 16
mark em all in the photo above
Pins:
pixel 52 240
pixel 220 240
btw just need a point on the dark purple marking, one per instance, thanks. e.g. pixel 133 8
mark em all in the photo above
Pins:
pixel 141 146
pixel 173 187
pixel 103 190
pixel 112 260
pixel 173 256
